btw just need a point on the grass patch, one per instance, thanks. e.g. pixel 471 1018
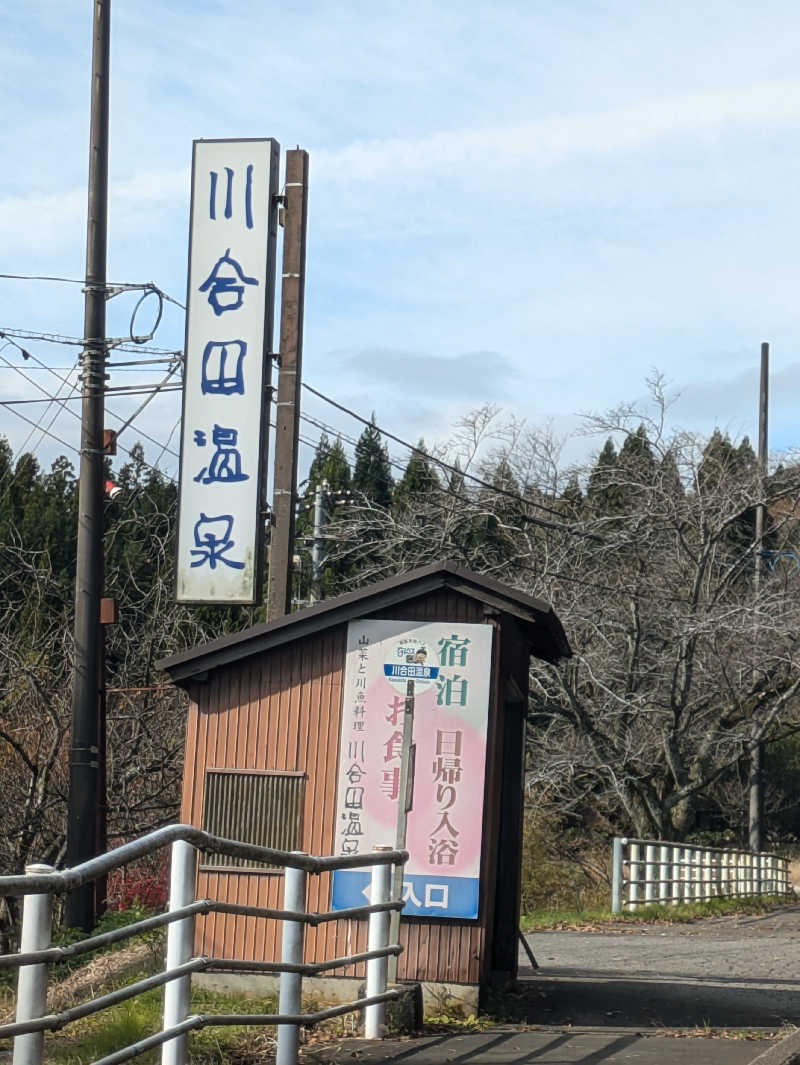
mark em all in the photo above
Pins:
pixel 92 1037
pixel 655 913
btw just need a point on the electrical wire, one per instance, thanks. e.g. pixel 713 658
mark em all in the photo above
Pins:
pixel 45 399
pixel 60 401
pixel 56 367
pixel 58 377
pixel 132 391
pixel 38 427
pixel 557 526
pixel 169 439
pixel 318 424
pixel 141 407
pixel 141 390
pixel 114 287
pixel 75 414
pixel 117 343
pixel 430 458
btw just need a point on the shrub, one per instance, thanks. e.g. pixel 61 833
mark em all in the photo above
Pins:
pixel 562 868
pixel 142 884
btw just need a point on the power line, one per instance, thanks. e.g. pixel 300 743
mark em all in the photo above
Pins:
pixel 51 367
pixel 46 432
pixel 150 391
pixel 430 458
pixel 113 414
pixel 11 476
pixel 141 390
pixel 558 526
pixel 150 397
pixel 62 403
pixel 43 277
pixel 166 448
pixel 317 423
pixel 447 490
pixel 109 286
pixel 118 343
pixel 45 399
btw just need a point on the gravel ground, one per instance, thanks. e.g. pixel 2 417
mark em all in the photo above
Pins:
pixel 720 972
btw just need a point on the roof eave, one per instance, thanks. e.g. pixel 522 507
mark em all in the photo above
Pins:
pixel 547 635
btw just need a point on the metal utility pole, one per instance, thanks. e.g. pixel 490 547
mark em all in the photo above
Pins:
pixel 756 781
pixel 316 542
pixel 287 409
pixel 88 685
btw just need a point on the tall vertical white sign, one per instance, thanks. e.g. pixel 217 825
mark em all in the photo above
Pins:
pixel 229 312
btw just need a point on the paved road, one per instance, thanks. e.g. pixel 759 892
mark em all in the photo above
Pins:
pixel 550 1048
pixel 599 998
pixel 725 972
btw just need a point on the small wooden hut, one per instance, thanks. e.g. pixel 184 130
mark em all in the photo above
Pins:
pixel 273 743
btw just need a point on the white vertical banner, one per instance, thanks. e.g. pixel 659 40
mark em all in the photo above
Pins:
pixel 229 313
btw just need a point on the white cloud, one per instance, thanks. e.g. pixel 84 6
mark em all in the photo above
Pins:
pixel 549 141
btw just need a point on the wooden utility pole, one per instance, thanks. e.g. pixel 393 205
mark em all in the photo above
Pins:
pixel 85 800
pixel 756 781
pixel 287 408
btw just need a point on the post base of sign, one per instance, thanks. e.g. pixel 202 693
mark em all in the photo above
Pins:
pixel 405 1015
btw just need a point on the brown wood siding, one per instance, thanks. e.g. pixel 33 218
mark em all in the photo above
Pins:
pixel 281 711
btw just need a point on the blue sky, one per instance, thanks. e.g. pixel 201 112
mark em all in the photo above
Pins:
pixel 527 203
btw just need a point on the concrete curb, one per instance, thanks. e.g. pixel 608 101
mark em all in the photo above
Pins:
pixel 787 1052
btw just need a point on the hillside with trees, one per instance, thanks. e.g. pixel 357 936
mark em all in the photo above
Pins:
pixel 683 661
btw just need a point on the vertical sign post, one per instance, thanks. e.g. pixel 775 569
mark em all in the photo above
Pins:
pixel 287 415
pixel 229 320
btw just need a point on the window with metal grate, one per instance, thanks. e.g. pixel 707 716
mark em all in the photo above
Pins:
pixel 264 808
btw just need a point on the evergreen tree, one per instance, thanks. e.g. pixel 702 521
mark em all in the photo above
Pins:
pixel 721 461
pixel 636 456
pixel 330 468
pixel 6 462
pixel 573 496
pixel 728 475
pixel 636 470
pixel 60 516
pixel 372 476
pixel 419 479
pixel 500 516
pixel 602 491
pixel 670 478
pixel 329 464
pixel 456 482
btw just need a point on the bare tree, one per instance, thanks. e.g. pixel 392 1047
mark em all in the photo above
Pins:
pixel 680 665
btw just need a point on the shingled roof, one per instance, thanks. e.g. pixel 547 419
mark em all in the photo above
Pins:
pixel 537 619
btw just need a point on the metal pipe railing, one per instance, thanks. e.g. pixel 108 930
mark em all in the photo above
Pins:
pixel 680 872
pixel 32 987
pixel 40 882
pixel 63 880
pixel 180 943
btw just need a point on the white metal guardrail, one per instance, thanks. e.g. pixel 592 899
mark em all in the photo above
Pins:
pixel 648 871
pixel 40 882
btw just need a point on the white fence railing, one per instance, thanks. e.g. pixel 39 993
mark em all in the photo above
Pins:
pixel 40 882
pixel 646 871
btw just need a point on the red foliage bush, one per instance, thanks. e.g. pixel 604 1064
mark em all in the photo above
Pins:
pixel 143 883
